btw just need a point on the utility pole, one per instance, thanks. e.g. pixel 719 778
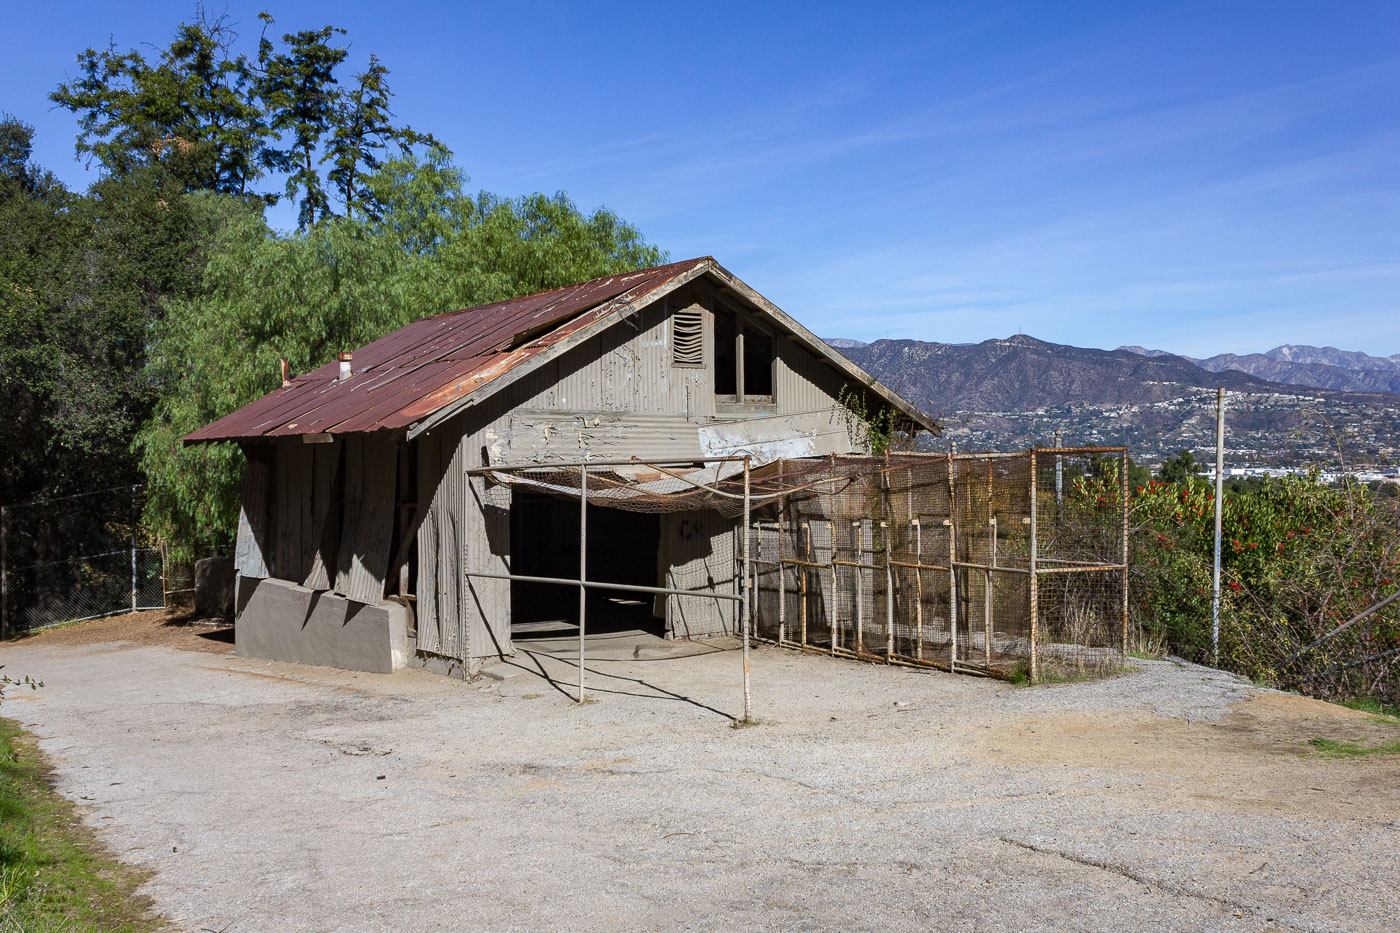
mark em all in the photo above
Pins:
pixel 1059 471
pixel 1219 506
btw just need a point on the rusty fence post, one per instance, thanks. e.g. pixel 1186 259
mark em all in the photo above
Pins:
pixel 858 534
pixel 805 535
pixel 1034 579
pixel 988 606
pixel 831 565
pixel 918 590
pixel 782 582
pixel 1124 593
pixel 952 568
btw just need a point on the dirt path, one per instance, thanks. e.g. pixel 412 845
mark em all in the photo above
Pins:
pixel 270 796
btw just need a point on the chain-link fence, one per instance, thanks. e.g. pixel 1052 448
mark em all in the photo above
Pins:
pixel 77 557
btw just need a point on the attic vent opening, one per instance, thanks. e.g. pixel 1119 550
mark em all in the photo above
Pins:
pixel 688 337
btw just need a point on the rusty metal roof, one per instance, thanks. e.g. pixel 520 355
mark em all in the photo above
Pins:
pixel 423 372
pixel 424 366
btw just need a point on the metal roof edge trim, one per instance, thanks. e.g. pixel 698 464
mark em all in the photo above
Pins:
pixel 826 351
pixel 527 366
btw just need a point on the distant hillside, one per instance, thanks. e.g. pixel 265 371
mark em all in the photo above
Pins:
pixel 1319 367
pixel 1009 393
pixel 1022 372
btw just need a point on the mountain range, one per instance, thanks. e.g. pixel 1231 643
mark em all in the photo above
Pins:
pixel 1319 367
pixel 1291 405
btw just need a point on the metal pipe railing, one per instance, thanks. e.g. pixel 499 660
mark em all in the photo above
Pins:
pixel 584 584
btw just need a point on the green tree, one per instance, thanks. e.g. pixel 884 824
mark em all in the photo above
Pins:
pixel 1182 468
pixel 362 134
pixel 339 284
pixel 82 277
pixel 192 110
pixel 217 121
pixel 301 95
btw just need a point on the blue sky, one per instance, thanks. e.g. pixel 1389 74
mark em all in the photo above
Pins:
pixel 1198 177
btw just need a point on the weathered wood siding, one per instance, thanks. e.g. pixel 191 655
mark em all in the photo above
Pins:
pixel 617 395
pixel 254 538
pixel 325 514
pixel 367 510
pixel 442 501
pixel 698 551
pixel 320 515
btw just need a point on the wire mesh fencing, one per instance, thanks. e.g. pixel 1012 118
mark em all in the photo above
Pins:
pixel 75 558
pixel 1010 565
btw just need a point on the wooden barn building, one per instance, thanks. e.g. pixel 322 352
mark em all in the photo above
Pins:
pixel 362 519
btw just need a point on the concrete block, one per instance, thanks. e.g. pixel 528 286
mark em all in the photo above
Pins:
pixel 214 579
pixel 281 621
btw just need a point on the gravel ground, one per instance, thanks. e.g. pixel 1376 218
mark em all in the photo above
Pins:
pixel 268 796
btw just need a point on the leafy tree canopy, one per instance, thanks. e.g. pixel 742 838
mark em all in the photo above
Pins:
pixel 1182 468
pixel 81 279
pixel 220 121
pixel 342 283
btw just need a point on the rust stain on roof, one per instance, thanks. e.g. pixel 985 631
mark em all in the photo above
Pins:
pixel 418 369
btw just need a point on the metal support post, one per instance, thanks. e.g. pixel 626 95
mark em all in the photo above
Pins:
pixel 782 583
pixel 1059 472
pixel 1034 582
pixel 918 591
pixel 831 606
pixel 744 606
pixel 989 624
pixel 1124 594
pixel 889 592
pixel 952 569
pixel 582 571
pixel 4 572
pixel 133 547
pixel 1219 505
pixel 806 533
pixel 858 533
pixel 987 582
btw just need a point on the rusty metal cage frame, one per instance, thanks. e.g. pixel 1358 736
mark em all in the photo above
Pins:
pixel 978 563
pixel 872 573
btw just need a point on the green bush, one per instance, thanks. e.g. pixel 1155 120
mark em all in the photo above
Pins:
pixel 1298 559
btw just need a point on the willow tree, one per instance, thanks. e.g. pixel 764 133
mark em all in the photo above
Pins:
pixel 309 294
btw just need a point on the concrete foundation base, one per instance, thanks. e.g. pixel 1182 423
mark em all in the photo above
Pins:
pixel 281 621
pixel 214 581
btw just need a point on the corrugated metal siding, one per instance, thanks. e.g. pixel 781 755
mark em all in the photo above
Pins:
pixel 325 514
pixel 615 395
pixel 294 541
pixel 774 437
pixel 698 551
pixel 249 557
pixel 544 436
pixel 441 486
pixel 485 618
pixel 805 383
pixel 418 369
pixel 363 558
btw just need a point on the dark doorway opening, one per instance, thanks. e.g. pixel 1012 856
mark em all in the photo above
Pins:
pixel 544 542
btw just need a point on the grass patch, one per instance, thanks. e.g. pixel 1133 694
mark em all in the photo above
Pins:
pixel 1385 711
pixel 54 874
pixel 1020 675
pixel 1346 748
